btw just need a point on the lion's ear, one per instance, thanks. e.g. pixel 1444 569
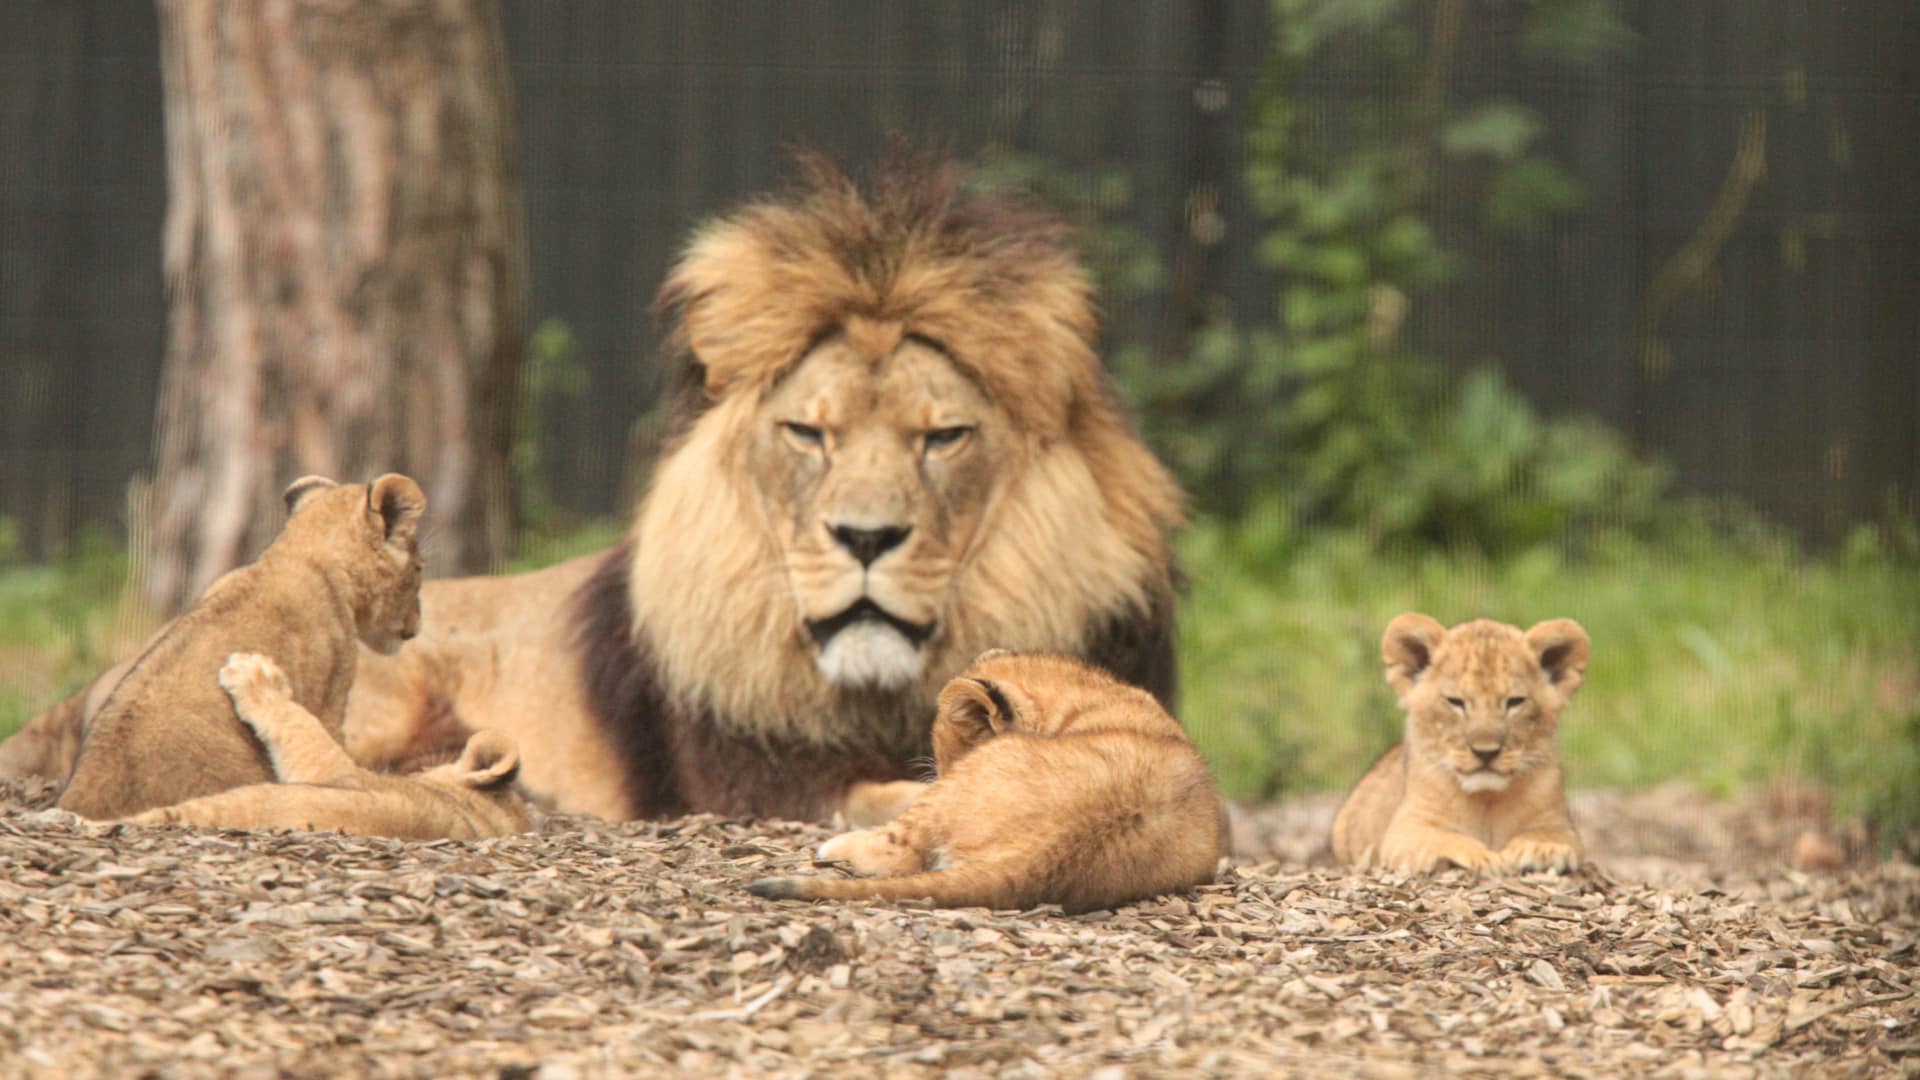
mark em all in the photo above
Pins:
pixel 1407 648
pixel 972 711
pixel 490 759
pixel 978 705
pixel 1561 646
pixel 396 504
pixel 303 489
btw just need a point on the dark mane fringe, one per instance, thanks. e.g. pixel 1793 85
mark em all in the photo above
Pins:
pixel 621 685
pixel 675 762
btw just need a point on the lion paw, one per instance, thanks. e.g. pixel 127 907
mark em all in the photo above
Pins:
pixel 870 852
pixel 251 677
pixel 1523 855
pixel 1463 852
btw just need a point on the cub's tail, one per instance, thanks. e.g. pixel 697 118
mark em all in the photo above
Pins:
pixel 972 886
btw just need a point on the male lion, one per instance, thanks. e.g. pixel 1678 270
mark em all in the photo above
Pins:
pixel 318 787
pixel 896 448
pixel 344 572
pixel 1477 781
pixel 1057 784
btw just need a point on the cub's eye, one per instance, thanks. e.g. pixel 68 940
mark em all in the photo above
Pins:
pixel 1458 703
pixel 942 438
pixel 806 434
pixel 1515 702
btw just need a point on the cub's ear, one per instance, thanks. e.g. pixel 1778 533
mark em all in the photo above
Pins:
pixel 396 504
pixel 977 704
pixel 1407 648
pixel 491 759
pixel 971 712
pixel 1561 646
pixel 303 489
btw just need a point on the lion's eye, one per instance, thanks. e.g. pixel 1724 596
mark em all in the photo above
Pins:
pixel 804 433
pixel 1458 703
pixel 942 438
pixel 1515 702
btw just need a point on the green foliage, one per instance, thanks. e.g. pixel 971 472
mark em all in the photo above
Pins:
pixel 535 552
pixel 55 618
pixel 1712 664
pixel 1330 408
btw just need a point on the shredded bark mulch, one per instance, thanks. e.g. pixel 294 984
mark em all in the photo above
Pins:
pixel 1690 947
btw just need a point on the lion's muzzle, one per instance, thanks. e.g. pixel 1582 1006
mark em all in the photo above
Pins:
pixel 869 646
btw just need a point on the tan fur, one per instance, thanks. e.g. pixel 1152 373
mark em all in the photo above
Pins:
pixel 943 321
pixel 47 745
pixel 880 318
pixel 1057 784
pixel 344 571
pixel 319 788
pixel 1477 781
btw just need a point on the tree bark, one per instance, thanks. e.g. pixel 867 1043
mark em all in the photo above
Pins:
pixel 345 260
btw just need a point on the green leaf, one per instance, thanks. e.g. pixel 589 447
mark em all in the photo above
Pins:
pixel 1530 192
pixel 1575 31
pixel 1497 129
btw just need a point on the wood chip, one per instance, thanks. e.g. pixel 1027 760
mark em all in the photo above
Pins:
pixel 587 948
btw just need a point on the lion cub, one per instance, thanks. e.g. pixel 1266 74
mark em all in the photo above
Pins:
pixel 1057 784
pixel 346 569
pixel 320 787
pixel 1477 780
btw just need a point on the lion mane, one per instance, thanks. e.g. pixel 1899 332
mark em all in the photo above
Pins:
pixel 703 687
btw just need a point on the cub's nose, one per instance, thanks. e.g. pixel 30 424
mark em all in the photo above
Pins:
pixel 869 544
pixel 1486 754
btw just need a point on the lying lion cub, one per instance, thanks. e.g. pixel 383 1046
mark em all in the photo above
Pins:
pixel 1477 781
pixel 1057 784
pixel 321 788
pixel 346 569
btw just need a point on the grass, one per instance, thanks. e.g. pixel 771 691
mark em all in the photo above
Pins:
pixel 1718 664
pixel 60 623
pixel 1712 664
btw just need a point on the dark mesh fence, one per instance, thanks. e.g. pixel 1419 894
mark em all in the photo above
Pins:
pixel 1786 373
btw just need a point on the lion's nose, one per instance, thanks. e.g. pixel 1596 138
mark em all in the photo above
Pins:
pixel 869 544
pixel 1486 754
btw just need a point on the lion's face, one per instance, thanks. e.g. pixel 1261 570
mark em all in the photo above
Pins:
pixel 875 477
pixel 904 452
pixel 1483 700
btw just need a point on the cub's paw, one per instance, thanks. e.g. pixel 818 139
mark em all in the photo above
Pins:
pixel 836 849
pixel 870 852
pixel 252 677
pixel 1462 851
pixel 1521 855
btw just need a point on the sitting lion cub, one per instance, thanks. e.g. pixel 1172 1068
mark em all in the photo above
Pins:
pixel 321 788
pixel 1057 784
pixel 346 569
pixel 1477 780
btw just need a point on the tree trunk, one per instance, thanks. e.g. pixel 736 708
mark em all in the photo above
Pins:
pixel 345 260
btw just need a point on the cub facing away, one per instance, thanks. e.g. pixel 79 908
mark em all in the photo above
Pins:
pixel 1476 782
pixel 321 788
pixel 344 570
pixel 1057 784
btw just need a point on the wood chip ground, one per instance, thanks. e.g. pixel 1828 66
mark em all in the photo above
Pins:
pixel 588 948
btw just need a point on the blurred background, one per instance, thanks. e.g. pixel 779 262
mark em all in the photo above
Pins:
pixel 1521 309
